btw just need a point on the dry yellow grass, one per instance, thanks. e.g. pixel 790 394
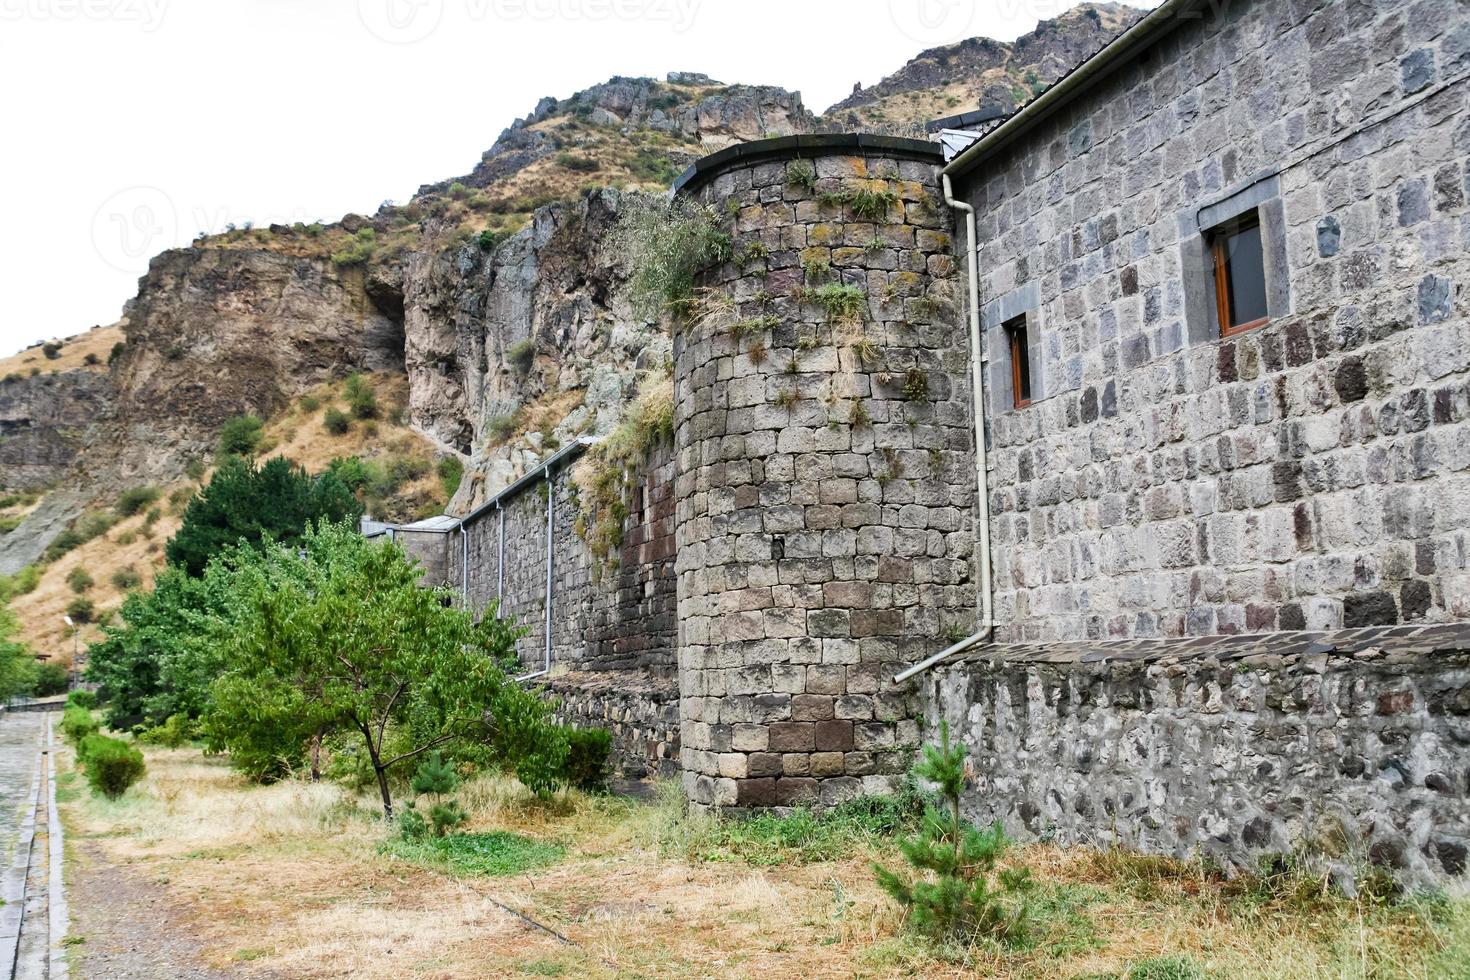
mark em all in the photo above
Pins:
pixel 296 434
pixel 291 877
pixel 73 354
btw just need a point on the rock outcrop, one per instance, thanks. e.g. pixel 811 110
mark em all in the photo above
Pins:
pixel 45 420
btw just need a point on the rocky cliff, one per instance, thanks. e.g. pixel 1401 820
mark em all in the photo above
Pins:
pixel 496 292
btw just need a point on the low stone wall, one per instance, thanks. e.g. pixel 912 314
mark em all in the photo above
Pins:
pixel 639 709
pixel 1354 746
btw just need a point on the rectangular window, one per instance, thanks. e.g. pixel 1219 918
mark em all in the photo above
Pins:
pixel 1240 274
pixel 1020 361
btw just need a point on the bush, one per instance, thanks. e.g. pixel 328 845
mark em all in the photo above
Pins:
pixel 79 580
pixel 81 609
pixel 587 758
pixel 952 896
pixel 194 469
pixel 522 354
pixel 87 700
pixel 135 501
pixel 360 397
pixel 451 472
pixel 52 350
pixel 336 422
pixel 310 403
pixel 240 436
pixel 667 243
pixel 490 239
pixel 90 525
pixel 91 360
pixel 118 350
pixel 436 777
pixel 126 579
pixel 172 734
pixel 580 164
pixel 77 722
pixel 359 248
pixel 50 679
pixel 112 765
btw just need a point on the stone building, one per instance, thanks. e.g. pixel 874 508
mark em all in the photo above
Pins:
pixel 1218 276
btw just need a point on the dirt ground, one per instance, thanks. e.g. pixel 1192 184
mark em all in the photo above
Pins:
pixel 210 877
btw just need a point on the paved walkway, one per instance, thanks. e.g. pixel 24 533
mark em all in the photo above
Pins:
pixel 23 783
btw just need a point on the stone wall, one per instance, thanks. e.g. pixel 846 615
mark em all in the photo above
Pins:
pixel 615 615
pixel 824 490
pixel 640 710
pixel 1313 473
pixel 1348 747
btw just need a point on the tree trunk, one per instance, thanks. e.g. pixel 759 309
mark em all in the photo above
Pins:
pixel 316 757
pixel 383 789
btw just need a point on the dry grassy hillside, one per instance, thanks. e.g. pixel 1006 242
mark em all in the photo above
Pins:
pixel 128 553
pixel 86 350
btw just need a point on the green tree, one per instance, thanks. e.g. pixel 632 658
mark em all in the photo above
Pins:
pixel 161 655
pixel 17 665
pixel 355 645
pixel 437 778
pixel 274 502
pixel 952 895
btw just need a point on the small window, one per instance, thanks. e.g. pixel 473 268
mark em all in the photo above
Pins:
pixel 1020 361
pixel 1240 275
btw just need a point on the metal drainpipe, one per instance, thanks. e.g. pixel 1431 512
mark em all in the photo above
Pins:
pixel 986 626
pixel 464 565
pixel 499 561
pixel 550 557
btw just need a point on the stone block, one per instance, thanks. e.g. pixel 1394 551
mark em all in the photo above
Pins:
pixel 788 736
pixel 795 790
pixel 832 736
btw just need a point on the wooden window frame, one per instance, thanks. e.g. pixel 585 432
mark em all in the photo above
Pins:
pixel 1015 329
pixel 1218 237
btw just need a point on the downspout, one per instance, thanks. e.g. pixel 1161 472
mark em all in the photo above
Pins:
pixel 550 556
pixel 464 565
pixel 500 561
pixel 986 626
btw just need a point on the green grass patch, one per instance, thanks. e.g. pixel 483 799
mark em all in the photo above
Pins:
pixel 494 853
pixel 803 836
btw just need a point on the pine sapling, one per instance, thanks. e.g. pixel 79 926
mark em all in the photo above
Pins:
pixel 951 895
pixel 437 778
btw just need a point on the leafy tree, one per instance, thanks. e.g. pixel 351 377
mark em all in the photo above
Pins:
pixel 161 657
pixel 17 665
pixel 274 502
pixel 354 644
pixel 50 679
pixel 952 896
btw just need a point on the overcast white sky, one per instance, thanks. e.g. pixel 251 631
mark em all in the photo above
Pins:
pixel 131 125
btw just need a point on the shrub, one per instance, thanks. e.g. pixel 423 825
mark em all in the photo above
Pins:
pixel 437 778
pixel 50 679
pixel 502 427
pixel 86 700
pixel 580 164
pixel 952 895
pixel 240 436
pixel 361 399
pixel 310 403
pixel 90 525
pixel 522 354
pixel 79 580
pixel 52 350
pixel 81 609
pixel 118 350
pixel 336 422
pixel 359 248
pixel 77 722
pixel 177 731
pixel 194 469
pixel 451 472
pixel 134 501
pixel 587 758
pixel 91 360
pixel 667 242
pixel 126 579
pixel 112 765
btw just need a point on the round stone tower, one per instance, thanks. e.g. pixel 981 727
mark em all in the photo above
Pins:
pixel 825 466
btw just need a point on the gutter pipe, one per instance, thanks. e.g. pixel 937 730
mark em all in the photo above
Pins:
pixel 550 556
pixel 986 626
